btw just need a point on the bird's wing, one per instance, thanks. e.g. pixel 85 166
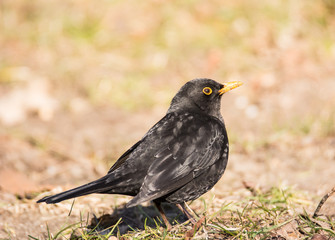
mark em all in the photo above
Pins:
pixel 198 142
pixel 150 136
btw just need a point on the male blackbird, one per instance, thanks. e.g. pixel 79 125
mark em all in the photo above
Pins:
pixel 180 158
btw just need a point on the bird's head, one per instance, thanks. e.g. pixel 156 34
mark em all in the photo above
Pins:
pixel 201 95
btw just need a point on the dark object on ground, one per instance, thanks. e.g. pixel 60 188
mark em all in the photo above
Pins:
pixel 180 158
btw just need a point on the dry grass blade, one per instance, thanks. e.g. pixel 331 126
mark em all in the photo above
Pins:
pixel 323 200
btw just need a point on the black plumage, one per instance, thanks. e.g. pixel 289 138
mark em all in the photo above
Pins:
pixel 180 158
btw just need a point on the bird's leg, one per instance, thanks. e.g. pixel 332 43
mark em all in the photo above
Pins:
pixel 161 211
pixel 184 210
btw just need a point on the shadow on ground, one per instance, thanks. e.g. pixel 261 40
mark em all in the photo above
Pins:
pixel 134 219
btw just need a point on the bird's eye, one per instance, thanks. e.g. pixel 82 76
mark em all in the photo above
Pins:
pixel 207 91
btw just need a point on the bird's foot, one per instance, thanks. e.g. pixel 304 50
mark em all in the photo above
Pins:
pixel 183 207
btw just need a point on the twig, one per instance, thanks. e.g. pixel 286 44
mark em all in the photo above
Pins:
pixel 323 200
pixel 196 226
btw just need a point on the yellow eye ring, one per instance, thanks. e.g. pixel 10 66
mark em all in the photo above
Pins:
pixel 207 91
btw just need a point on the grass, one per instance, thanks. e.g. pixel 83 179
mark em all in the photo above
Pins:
pixel 257 215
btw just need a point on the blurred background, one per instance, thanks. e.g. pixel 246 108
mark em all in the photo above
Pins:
pixel 81 81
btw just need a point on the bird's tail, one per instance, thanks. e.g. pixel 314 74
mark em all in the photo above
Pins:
pixel 97 186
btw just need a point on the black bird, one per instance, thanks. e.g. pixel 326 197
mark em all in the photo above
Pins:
pixel 180 158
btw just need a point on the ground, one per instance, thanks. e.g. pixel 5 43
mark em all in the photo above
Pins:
pixel 81 83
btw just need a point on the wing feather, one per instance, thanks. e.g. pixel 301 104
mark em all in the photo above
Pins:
pixel 197 144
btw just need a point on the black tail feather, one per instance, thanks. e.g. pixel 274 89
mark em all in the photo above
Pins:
pixel 97 186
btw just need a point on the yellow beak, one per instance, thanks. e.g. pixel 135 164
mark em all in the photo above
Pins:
pixel 229 86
